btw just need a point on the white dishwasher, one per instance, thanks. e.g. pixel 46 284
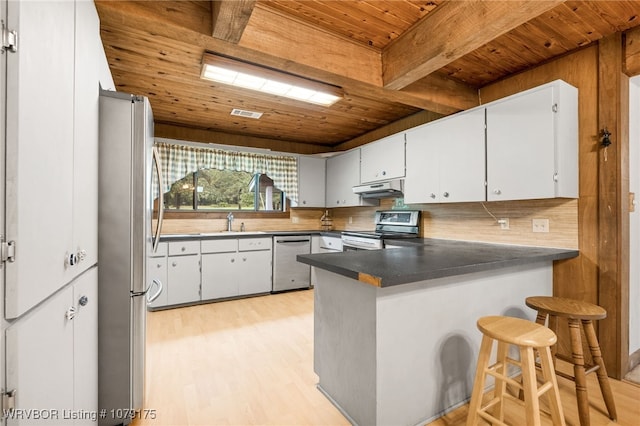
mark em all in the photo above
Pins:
pixel 288 273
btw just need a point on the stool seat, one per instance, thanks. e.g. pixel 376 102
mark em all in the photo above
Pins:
pixel 528 337
pixel 516 331
pixel 580 316
pixel 566 308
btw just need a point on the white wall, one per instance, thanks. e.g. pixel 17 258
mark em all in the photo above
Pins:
pixel 634 226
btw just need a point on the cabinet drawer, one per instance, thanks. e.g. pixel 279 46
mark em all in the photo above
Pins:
pixel 219 246
pixel 332 243
pixel 176 248
pixel 249 244
pixel 161 251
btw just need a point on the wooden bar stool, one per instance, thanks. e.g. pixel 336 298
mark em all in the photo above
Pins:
pixel 577 312
pixel 527 336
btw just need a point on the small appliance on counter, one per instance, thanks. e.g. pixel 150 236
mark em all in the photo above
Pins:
pixel 389 224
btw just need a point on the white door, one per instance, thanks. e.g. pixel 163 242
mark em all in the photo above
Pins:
pixel 520 147
pixel 254 272
pixel 422 183
pixel 183 278
pixel 85 155
pixel 85 346
pixel 219 275
pixel 39 129
pixel 40 360
pixel 462 158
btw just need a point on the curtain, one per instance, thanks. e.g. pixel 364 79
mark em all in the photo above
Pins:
pixel 179 160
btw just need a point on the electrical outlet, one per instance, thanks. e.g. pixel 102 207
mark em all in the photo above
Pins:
pixel 504 223
pixel 540 225
pixel 350 220
pixel 294 219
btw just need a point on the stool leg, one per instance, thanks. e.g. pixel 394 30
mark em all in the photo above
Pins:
pixel 603 379
pixel 530 385
pixel 549 375
pixel 500 385
pixel 478 383
pixel 579 372
pixel 553 326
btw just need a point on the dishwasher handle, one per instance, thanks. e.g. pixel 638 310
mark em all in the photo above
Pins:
pixel 292 241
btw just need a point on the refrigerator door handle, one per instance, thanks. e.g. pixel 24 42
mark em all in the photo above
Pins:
pixel 150 299
pixel 156 238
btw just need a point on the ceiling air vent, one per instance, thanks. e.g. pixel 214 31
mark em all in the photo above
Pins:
pixel 245 113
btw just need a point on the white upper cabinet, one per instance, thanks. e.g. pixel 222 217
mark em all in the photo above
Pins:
pixel 383 159
pixel 343 173
pixel 40 151
pixel 445 160
pixel 311 182
pixel 532 144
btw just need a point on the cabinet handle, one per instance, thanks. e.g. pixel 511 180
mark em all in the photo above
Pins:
pixel 183 248
pixel 174 264
pixel 159 265
pixel 432 195
pixel 244 259
pixel 384 173
pixel 446 195
pixel 304 201
pixel 555 177
pixel 83 301
pixel 497 191
pixel 233 260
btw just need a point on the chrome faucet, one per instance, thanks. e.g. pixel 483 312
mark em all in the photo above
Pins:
pixel 229 221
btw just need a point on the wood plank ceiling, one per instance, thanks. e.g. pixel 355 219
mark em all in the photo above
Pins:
pixel 392 58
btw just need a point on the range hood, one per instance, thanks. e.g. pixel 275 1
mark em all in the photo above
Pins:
pixel 386 189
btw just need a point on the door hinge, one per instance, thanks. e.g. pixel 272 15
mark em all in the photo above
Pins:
pixel 9 39
pixel 554 108
pixel 8 402
pixel 7 250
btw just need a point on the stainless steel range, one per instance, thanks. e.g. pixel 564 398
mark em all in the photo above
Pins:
pixel 390 224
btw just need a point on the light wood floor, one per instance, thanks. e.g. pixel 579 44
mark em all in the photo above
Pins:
pixel 250 362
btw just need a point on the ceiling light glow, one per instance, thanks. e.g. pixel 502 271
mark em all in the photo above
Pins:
pixel 232 72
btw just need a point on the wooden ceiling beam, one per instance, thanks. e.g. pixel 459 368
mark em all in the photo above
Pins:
pixel 230 17
pixel 451 31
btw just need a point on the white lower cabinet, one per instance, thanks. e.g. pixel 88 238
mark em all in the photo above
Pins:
pixel 236 267
pixel 183 272
pixel 52 357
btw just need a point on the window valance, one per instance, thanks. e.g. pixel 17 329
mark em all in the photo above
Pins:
pixel 179 160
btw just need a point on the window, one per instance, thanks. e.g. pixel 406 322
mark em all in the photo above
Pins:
pixel 224 190
pixel 204 178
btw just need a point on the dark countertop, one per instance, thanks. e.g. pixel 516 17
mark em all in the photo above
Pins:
pixel 434 258
pixel 241 234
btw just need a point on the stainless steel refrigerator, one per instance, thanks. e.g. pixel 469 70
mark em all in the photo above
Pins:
pixel 127 161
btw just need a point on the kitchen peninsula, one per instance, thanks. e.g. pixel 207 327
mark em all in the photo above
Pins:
pixel 395 340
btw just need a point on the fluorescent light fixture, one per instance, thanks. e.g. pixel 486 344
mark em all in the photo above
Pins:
pixel 249 76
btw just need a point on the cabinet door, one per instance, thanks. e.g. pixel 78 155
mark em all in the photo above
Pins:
pixel 40 358
pixel 520 146
pixel 422 183
pixel 39 151
pixel 254 272
pixel 311 182
pixel 343 173
pixel 157 270
pixel 183 279
pixel 85 345
pixel 219 278
pixel 462 157
pixel 383 159
pixel 85 149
